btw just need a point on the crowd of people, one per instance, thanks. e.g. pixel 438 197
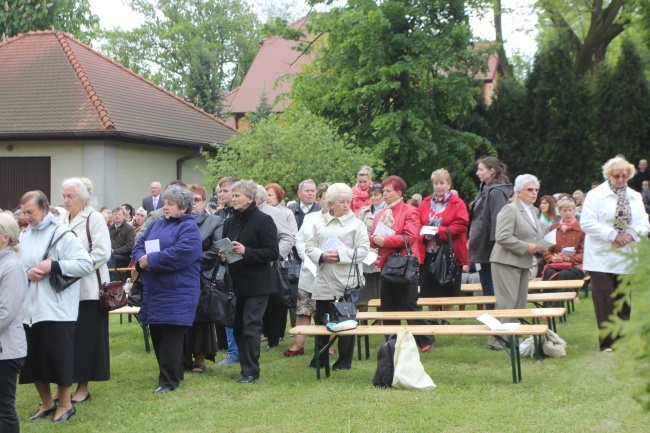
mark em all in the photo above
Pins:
pixel 53 335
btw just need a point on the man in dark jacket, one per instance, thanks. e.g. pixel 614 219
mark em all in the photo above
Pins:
pixel 307 203
pixel 122 240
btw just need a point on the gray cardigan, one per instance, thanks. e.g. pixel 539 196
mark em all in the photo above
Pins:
pixel 13 288
pixel 483 220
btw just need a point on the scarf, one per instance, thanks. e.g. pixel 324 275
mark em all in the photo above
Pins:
pixel 359 197
pixel 438 206
pixel 387 216
pixel 567 225
pixel 377 208
pixel 623 214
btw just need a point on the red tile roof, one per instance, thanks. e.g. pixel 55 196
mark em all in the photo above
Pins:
pixel 54 86
pixel 275 59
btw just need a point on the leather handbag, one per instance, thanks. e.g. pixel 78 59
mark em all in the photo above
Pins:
pixel 355 292
pixel 217 301
pixel 401 269
pixel 282 297
pixel 292 265
pixel 59 282
pixel 112 296
pixel 341 317
pixel 444 267
pixel 135 294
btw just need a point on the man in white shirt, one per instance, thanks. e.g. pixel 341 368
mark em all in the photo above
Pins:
pixel 154 201
pixel 307 203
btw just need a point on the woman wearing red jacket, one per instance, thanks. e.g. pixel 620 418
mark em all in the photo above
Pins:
pixel 442 210
pixel 402 219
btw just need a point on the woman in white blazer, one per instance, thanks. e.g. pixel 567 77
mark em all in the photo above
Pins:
pixel 91 352
pixel 614 220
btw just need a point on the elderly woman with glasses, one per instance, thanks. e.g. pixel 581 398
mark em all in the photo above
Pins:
pixel 614 220
pixel 170 263
pixel 559 265
pixel 517 233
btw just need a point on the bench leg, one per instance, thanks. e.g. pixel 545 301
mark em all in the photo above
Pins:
pixel 323 351
pixel 513 361
pixel 367 339
pixel 359 346
pixel 317 352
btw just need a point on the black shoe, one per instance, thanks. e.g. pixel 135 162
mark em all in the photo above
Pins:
pixel 269 347
pixel 81 401
pixel 248 379
pixel 163 389
pixel 44 413
pixel 341 367
pixel 66 416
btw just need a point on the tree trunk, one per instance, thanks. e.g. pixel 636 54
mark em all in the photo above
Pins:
pixel 501 52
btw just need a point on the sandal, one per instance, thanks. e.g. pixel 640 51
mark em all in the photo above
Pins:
pixel 197 368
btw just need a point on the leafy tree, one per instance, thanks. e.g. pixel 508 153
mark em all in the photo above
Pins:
pixel 287 148
pixel 589 26
pixel 190 46
pixel 71 16
pixel 623 108
pixel 391 75
pixel 561 122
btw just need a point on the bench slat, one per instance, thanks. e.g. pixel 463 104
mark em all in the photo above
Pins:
pixel 419 330
pixel 535 285
pixel 480 300
pixel 467 314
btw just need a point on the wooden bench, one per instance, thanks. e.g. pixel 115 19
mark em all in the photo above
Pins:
pixel 512 349
pixel 533 298
pixel 134 311
pixel 534 285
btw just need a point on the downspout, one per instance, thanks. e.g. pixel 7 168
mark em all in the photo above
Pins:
pixel 180 161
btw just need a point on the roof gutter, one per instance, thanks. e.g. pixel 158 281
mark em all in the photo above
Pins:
pixel 180 161
pixel 103 135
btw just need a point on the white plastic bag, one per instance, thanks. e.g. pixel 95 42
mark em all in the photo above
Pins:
pixel 552 345
pixel 527 347
pixel 409 371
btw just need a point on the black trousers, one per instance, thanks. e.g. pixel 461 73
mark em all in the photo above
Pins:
pixel 345 344
pixel 603 285
pixel 565 274
pixel 273 325
pixel 248 331
pixel 168 345
pixel 404 297
pixel 9 369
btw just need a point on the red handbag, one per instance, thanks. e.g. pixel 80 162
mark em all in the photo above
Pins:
pixel 561 266
pixel 112 296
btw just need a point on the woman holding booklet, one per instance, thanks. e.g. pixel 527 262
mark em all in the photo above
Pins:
pixel 564 259
pixel 518 235
pixel 439 212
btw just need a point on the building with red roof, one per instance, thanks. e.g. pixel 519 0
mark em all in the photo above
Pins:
pixel 66 110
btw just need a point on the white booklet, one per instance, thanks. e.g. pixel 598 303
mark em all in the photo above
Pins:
pixel 370 259
pixel 227 246
pixel 429 230
pixel 383 229
pixel 492 323
pixel 152 246
pixel 569 251
pixel 548 240
pixel 333 243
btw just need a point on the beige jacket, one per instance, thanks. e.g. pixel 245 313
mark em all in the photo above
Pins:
pixel 332 278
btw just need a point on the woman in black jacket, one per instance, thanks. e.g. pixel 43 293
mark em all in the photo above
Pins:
pixel 254 236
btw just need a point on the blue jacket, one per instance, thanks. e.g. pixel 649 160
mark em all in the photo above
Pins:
pixel 172 285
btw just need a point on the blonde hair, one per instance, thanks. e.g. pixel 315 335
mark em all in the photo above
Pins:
pixel 618 163
pixel 9 226
pixel 442 174
pixel 565 202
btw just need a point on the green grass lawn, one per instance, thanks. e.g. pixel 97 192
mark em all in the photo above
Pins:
pixel 584 392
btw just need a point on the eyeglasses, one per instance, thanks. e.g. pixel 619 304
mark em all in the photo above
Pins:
pixel 532 189
pixel 198 199
pixel 376 185
pixel 620 176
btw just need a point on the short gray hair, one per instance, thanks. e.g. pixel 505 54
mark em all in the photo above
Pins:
pixel 248 187
pixel 9 226
pixel 336 191
pixel 261 195
pixel 304 182
pixel 524 179
pixel 82 186
pixel 141 211
pixel 183 197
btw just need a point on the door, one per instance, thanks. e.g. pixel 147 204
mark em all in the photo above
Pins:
pixel 21 174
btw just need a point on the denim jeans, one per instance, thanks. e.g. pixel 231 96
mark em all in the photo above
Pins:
pixel 485 274
pixel 233 350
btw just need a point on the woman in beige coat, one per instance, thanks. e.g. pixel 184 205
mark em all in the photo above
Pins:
pixel 341 229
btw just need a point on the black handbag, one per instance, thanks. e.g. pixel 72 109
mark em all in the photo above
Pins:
pixel 134 298
pixel 282 297
pixel 355 293
pixel 401 269
pixel 217 301
pixel 292 265
pixel 444 267
pixel 59 282
pixel 340 311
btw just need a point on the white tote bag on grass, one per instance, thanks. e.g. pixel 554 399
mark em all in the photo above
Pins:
pixel 409 371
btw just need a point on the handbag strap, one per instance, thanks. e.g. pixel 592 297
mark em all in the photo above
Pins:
pixel 451 248
pixel 354 265
pixel 407 244
pixel 52 244
pixel 90 250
